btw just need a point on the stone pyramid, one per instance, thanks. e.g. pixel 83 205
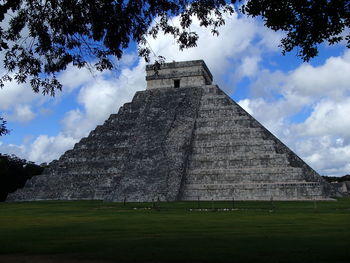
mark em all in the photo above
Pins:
pixel 181 139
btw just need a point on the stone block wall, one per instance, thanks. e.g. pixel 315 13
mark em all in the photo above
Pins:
pixel 188 74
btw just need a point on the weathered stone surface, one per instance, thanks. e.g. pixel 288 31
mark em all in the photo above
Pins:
pixel 235 157
pixel 343 187
pixel 187 74
pixel 179 144
pixel 138 154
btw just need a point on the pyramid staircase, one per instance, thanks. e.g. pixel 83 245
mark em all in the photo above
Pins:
pixel 235 157
pixel 186 143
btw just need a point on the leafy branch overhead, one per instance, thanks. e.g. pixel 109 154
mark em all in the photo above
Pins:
pixel 3 129
pixel 39 38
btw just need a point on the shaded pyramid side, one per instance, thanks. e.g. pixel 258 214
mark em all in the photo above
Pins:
pixel 138 154
pixel 235 157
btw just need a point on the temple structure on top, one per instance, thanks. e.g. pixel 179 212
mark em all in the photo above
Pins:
pixel 182 138
pixel 186 74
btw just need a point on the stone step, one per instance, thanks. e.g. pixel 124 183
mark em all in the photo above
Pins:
pixel 212 90
pixel 242 178
pixel 225 122
pixel 238 163
pixel 208 95
pixel 250 185
pixel 229 129
pixel 230 107
pixel 221 112
pixel 238 149
pixel 108 152
pixel 205 135
pixel 245 170
pixel 91 167
pixel 216 99
pixel 233 143
pixel 81 149
pixel 255 191
pixel 91 154
pixel 237 157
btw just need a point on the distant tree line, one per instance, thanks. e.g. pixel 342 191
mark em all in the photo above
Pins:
pixel 332 179
pixel 14 172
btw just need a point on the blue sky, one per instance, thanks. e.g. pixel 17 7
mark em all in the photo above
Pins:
pixel 306 105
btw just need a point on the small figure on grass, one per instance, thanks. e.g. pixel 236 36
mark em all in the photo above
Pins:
pixel 315 204
pixel 158 203
pixel 272 205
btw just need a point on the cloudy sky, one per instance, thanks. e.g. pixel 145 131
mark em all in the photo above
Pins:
pixel 306 105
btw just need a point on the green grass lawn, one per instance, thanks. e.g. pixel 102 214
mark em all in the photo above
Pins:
pixel 251 232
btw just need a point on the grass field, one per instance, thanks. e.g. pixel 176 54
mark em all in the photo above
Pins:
pixel 177 232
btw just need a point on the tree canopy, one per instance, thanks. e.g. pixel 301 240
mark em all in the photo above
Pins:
pixel 40 38
pixel 306 23
pixel 3 129
pixel 14 172
pixel 335 179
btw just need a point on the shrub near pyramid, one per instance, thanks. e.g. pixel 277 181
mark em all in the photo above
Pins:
pixel 181 139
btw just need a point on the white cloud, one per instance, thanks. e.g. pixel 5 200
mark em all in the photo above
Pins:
pixel 71 123
pixel 43 149
pixel 328 118
pixel 73 78
pixel 46 148
pixel 13 94
pixel 307 83
pixel 249 66
pixel 325 155
pixel 235 52
pixel 21 113
pixel 330 79
pixel 128 59
pixel 323 139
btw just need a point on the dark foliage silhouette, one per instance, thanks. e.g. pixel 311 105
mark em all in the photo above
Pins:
pixel 42 37
pixel 14 172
